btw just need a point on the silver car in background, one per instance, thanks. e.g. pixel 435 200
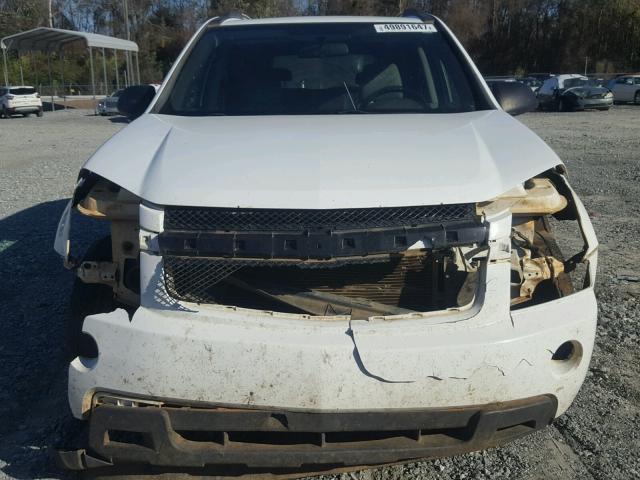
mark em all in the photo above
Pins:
pixel 109 105
pixel 626 88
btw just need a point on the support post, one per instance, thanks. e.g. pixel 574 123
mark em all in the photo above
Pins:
pixel 104 71
pixel 34 66
pixel 93 78
pixel 64 91
pixel 115 57
pixel 6 70
pixel 50 79
pixel 20 66
pixel 127 53
pixel 138 67
pixel 128 69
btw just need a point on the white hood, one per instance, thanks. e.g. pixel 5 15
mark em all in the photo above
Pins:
pixel 337 161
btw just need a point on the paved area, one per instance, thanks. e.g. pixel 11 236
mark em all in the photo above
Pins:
pixel 597 438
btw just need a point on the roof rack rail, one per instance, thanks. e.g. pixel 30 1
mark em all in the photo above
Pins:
pixel 232 15
pixel 415 13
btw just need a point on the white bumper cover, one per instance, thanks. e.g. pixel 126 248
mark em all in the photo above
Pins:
pixel 228 357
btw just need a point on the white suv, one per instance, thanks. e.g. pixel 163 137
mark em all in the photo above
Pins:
pixel 22 100
pixel 331 246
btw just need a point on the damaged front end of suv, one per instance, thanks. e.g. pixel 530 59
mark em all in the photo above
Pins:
pixel 360 290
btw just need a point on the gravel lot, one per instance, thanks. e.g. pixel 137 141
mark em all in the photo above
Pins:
pixel 597 438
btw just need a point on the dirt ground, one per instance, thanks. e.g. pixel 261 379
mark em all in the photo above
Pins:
pixel 598 437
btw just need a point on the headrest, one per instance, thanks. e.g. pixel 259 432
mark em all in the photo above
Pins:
pixel 369 72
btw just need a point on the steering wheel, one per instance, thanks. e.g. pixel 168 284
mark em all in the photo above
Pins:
pixel 371 98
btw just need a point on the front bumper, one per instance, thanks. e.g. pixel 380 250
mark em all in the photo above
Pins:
pixel 234 357
pixel 587 103
pixel 211 357
pixel 295 441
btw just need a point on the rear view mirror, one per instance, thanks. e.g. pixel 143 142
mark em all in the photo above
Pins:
pixel 515 98
pixel 325 50
pixel 134 100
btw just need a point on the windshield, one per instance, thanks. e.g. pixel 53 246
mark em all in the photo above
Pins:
pixel 576 82
pixel 22 91
pixel 325 68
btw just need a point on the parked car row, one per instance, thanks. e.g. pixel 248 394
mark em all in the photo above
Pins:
pixel 570 92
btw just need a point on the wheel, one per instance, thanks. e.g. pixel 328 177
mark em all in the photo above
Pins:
pixel 5 114
pixel 636 98
pixel 561 106
pixel 25 115
pixel 88 299
pixel 39 113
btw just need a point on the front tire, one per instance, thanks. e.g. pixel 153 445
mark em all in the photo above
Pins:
pixel 636 98
pixel 39 113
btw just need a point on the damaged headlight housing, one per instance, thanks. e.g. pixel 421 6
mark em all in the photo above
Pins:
pixel 545 226
pixel 99 199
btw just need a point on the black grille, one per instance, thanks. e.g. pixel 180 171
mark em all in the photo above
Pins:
pixel 416 281
pixel 178 218
pixel 194 279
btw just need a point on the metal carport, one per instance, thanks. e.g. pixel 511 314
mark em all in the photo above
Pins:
pixel 50 40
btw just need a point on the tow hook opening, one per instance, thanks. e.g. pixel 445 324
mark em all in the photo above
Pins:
pixel 567 356
pixel 566 351
pixel 87 346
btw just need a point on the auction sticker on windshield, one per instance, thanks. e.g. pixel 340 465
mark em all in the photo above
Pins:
pixel 405 28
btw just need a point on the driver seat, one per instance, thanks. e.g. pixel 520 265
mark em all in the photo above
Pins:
pixel 375 77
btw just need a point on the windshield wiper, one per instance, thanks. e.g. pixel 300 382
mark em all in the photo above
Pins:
pixel 354 109
pixel 353 104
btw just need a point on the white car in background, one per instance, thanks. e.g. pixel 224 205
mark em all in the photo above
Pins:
pixel 626 89
pixel 21 99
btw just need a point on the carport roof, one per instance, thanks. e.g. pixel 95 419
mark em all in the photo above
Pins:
pixel 52 39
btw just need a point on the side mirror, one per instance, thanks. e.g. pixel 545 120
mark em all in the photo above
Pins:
pixel 134 100
pixel 514 97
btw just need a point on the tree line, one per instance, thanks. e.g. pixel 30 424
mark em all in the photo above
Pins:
pixel 503 36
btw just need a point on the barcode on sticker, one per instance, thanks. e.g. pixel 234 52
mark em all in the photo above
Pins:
pixel 405 28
